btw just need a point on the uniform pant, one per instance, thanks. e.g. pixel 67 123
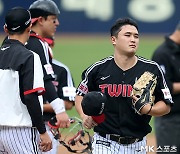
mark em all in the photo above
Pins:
pixel 19 140
pixel 55 143
pixel 167 130
pixel 101 145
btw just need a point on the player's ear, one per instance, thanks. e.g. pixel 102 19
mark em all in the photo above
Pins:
pixel 29 28
pixel 113 40
pixel 40 20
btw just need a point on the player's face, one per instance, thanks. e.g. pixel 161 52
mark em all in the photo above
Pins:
pixel 50 25
pixel 127 40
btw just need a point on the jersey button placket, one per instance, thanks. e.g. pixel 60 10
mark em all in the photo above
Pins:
pixel 123 76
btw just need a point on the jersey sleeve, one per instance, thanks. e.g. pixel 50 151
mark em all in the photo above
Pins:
pixel 87 83
pixel 162 91
pixel 42 49
pixel 33 75
pixel 65 87
pixel 165 66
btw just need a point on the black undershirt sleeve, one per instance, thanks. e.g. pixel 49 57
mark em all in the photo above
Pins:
pixel 50 93
pixel 34 109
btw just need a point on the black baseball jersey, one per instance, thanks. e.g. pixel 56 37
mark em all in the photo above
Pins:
pixel 63 83
pixel 20 74
pixel 116 84
pixel 39 46
pixel 168 57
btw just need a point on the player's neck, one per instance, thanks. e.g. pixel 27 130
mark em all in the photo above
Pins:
pixel 37 30
pixel 176 37
pixel 125 62
pixel 21 38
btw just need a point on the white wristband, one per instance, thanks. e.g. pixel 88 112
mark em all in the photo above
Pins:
pixel 58 105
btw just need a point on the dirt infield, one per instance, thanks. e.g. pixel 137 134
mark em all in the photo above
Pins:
pixel 151 141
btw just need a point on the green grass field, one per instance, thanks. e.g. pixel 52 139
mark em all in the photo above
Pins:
pixel 80 51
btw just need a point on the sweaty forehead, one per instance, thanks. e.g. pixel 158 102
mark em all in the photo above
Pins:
pixel 128 29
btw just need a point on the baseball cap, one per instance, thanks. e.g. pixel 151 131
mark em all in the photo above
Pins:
pixel 17 19
pixel 43 8
pixel 93 103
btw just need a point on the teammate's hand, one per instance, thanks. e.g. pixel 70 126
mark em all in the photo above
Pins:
pixel 45 143
pixel 88 122
pixel 62 120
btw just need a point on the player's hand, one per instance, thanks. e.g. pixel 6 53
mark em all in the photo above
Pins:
pixel 45 143
pixel 146 109
pixel 88 122
pixel 62 120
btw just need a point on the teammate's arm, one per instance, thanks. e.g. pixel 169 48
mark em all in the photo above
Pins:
pixel 51 95
pixel 57 105
pixel 65 87
pixel 35 111
pixel 32 87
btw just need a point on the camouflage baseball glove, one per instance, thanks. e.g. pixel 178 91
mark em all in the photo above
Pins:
pixel 143 90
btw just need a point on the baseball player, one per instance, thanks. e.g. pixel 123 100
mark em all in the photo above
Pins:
pixel 63 79
pixel 21 81
pixel 123 130
pixel 65 89
pixel 167 55
pixel 44 23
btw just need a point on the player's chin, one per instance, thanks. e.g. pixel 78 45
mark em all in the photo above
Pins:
pixel 52 34
pixel 133 49
pixel 131 53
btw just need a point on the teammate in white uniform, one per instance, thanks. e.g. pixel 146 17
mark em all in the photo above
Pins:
pixel 21 81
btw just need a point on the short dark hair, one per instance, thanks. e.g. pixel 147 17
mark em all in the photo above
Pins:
pixel 116 28
pixel 17 33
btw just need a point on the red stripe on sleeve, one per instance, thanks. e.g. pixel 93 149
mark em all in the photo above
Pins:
pixel 39 90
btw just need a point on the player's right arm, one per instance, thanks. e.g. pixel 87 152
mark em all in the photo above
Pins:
pixel 78 100
pixel 57 104
pixel 88 122
pixel 82 89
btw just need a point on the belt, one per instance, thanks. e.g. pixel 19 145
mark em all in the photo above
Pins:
pixel 119 139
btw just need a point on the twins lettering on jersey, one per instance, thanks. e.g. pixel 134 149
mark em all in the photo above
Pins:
pixel 115 90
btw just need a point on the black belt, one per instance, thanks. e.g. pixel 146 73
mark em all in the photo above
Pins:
pixel 119 139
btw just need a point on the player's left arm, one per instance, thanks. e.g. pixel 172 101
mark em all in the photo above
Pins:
pixel 163 99
pixel 158 109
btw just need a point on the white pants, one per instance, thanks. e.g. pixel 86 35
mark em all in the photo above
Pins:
pixel 19 140
pixel 102 145
pixel 55 143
